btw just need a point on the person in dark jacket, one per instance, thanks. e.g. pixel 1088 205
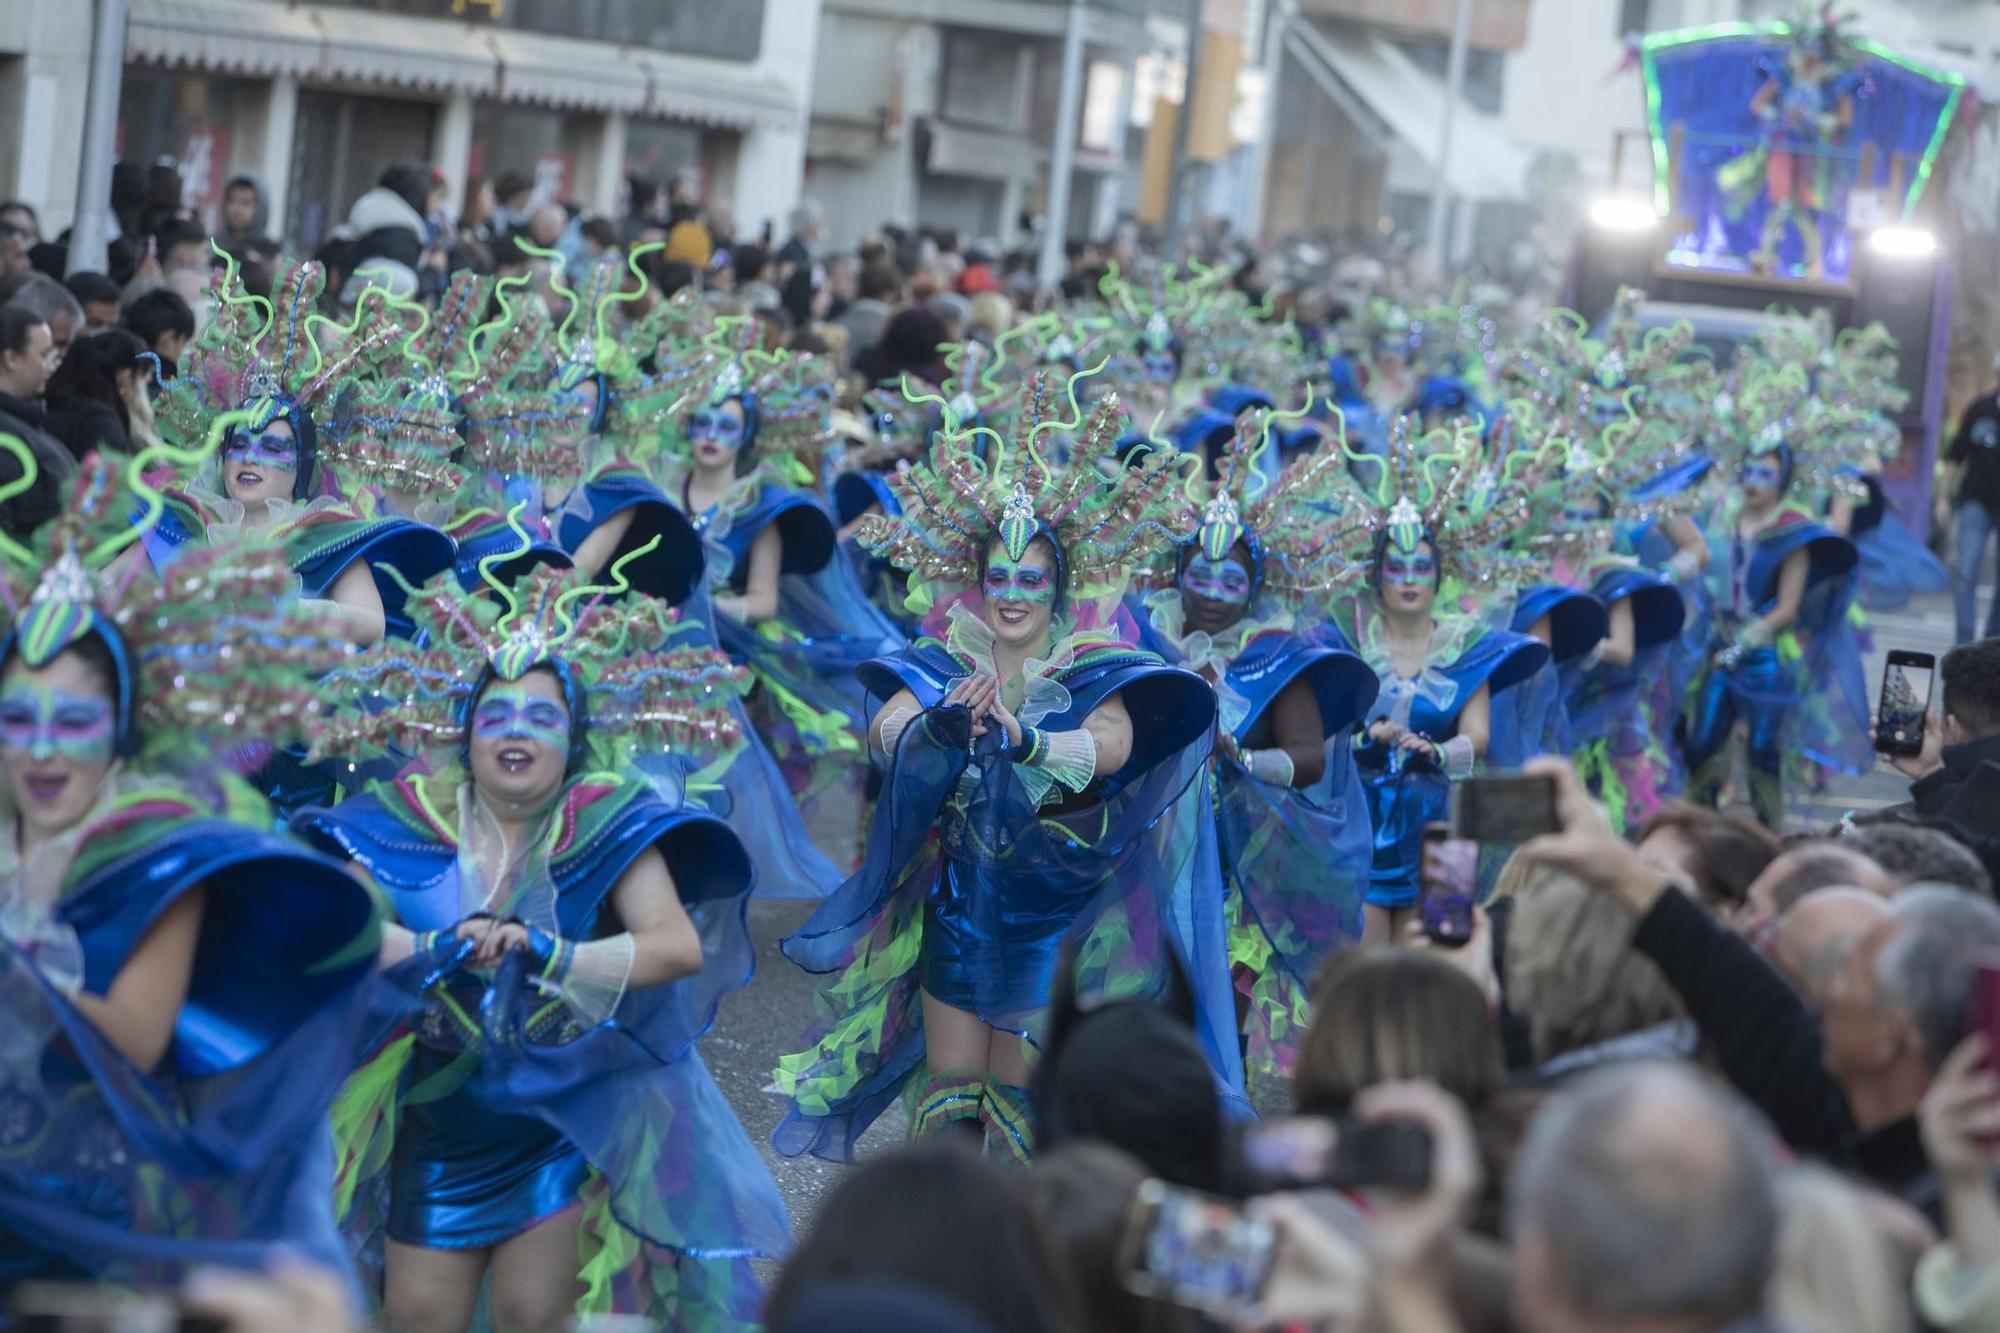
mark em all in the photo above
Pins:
pixel 1955 778
pixel 95 391
pixel 27 357
pixel 1845 1086
pixel 246 219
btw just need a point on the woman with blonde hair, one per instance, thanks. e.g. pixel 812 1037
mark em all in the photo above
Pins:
pixel 1572 973
pixel 1836 1270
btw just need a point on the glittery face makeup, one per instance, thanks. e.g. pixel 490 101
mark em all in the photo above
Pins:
pixel 1026 580
pixel 1765 475
pixel 511 711
pixel 1580 516
pixel 43 723
pixel 715 431
pixel 266 450
pixel 1415 570
pixel 1224 581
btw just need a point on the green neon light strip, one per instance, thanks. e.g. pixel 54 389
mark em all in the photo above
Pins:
pixel 1662 41
pixel 1956 82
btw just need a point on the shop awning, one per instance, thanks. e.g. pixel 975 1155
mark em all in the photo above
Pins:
pixel 559 72
pixel 1401 105
pixel 718 92
pixel 254 39
pixel 406 53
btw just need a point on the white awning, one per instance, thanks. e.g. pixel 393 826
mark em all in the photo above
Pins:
pixel 406 53
pixel 1403 106
pixel 439 56
pixel 560 72
pixel 255 39
pixel 718 92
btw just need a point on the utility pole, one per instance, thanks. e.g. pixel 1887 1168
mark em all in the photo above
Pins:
pixel 1062 153
pixel 1454 89
pixel 1277 23
pixel 1179 196
pixel 89 235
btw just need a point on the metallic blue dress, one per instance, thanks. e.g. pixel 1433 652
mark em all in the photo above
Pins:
pixel 808 708
pixel 1404 795
pixel 220 1155
pixel 971 885
pixel 502 1108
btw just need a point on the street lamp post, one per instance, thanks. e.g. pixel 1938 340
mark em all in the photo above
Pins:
pixel 1454 88
pixel 89 235
pixel 1062 153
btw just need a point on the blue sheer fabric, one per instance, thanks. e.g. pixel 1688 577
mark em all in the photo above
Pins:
pixel 971 891
pixel 220 1155
pixel 504 1103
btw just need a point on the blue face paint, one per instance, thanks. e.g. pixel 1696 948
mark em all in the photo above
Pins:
pixel 267 449
pixel 1224 581
pixel 1161 368
pixel 514 712
pixel 716 425
pixel 1580 516
pixel 1019 581
pixel 43 723
pixel 1767 475
pixel 1417 569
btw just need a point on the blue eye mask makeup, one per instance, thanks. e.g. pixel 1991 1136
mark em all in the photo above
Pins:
pixel 1011 581
pixel 43 723
pixel 1400 569
pixel 266 449
pixel 1760 474
pixel 1223 581
pixel 509 712
pixel 722 427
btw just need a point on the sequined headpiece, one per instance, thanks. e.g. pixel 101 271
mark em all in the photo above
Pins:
pixel 627 663
pixel 976 487
pixel 216 648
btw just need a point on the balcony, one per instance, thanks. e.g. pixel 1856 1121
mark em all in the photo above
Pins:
pixel 1497 25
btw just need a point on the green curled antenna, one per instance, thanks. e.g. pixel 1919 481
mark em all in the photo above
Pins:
pixel 30 472
pixel 487 564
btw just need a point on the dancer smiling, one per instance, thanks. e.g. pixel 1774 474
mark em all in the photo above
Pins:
pixel 563 935
pixel 1032 765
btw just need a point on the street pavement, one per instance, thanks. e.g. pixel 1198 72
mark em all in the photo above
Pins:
pixel 765 1020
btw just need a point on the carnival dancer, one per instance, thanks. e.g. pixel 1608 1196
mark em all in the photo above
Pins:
pixel 1293 840
pixel 172 974
pixel 562 935
pixel 1782 660
pixel 1422 554
pixel 1033 766
pixel 741 456
pixel 287 365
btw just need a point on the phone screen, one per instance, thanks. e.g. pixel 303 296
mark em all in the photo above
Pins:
pixel 1448 885
pixel 1197 1251
pixel 1906 698
pixel 1503 807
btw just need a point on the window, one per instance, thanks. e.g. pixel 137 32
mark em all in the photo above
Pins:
pixel 1634 16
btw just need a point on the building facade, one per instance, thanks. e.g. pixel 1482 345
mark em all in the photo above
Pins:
pixel 942 113
pixel 316 99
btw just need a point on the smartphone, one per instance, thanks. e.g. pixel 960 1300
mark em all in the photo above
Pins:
pixel 1327 1152
pixel 1447 885
pixel 1504 807
pixel 1906 698
pixel 1195 1250
pixel 73 1307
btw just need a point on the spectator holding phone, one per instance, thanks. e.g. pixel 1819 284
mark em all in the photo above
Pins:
pixel 1848 1090
pixel 1958 1281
